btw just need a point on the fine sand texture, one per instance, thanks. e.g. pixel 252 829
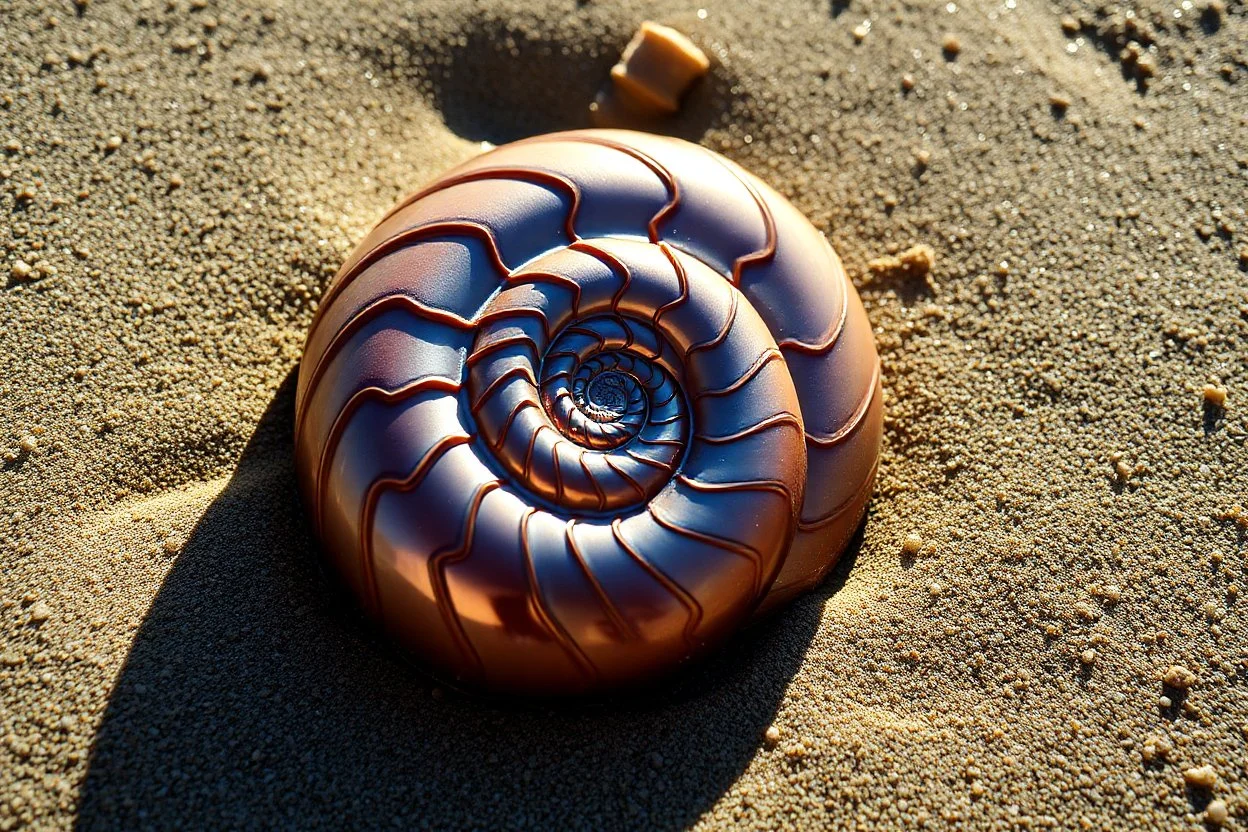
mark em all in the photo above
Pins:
pixel 1041 625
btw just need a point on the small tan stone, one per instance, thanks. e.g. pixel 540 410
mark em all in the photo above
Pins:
pixel 658 67
pixel 1217 812
pixel 1201 777
pixel 1178 676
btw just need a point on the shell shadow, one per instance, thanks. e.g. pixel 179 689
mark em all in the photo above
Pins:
pixel 251 697
pixel 501 79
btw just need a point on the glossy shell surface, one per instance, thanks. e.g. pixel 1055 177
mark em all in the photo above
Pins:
pixel 575 411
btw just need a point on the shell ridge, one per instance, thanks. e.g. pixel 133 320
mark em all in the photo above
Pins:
pixel 682 596
pixel 357 322
pixel 537 175
pixel 744 550
pixel 380 486
pixel 442 558
pixel 858 417
pixel 544 614
pixel 665 176
pixel 436 228
pixel 843 506
pixel 343 419
pixel 613 613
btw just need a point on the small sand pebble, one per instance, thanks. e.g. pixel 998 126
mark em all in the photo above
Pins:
pixel 1200 777
pixel 658 67
pixel 916 260
pixel 1215 396
pixel 1216 812
pixel 21 270
pixel 772 736
pixel 911 545
pixel 28 444
pixel 951 45
pixel 1087 656
pixel 1178 676
pixel 40 612
pixel 1155 748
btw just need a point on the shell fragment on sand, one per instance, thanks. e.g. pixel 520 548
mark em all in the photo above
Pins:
pixel 657 68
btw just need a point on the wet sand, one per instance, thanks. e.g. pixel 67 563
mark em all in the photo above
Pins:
pixel 1041 625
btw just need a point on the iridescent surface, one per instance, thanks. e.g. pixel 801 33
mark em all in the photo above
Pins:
pixel 577 410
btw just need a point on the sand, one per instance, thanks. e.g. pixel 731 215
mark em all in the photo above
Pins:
pixel 1042 624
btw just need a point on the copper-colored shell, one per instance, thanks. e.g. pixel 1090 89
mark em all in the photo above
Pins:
pixel 578 409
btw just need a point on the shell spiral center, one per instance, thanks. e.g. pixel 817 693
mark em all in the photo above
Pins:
pixel 599 425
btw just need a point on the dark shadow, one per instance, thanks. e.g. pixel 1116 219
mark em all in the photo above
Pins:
pixel 1213 416
pixel 838 7
pixel 1211 19
pixel 1112 40
pixel 252 697
pixel 1173 711
pixel 502 81
pixel 1199 799
pixel 909 288
pixel 16 462
pixel 485 91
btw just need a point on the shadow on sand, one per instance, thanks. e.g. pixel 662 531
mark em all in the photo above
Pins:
pixel 253 697
pixel 500 81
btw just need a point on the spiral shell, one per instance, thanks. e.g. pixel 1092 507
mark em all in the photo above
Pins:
pixel 575 411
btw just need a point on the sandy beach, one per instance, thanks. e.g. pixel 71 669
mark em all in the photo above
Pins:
pixel 1041 624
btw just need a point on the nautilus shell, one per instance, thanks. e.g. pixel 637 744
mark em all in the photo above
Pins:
pixel 577 410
